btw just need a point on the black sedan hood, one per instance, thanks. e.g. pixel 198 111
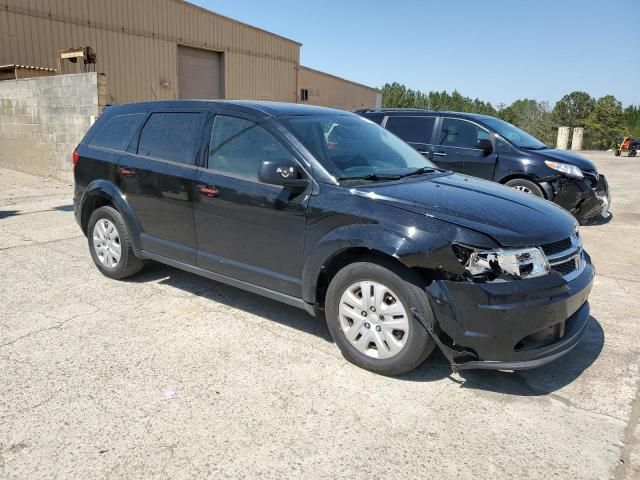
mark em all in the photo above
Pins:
pixel 510 217
pixel 566 156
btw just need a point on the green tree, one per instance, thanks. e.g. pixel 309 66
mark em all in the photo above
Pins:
pixel 602 119
pixel 605 121
pixel 632 121
pixel 532 116
pixel 573 109
pixel 396 95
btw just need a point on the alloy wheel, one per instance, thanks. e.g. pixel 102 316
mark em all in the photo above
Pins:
pixel 373 319
pixel 524 189
pixel 106 243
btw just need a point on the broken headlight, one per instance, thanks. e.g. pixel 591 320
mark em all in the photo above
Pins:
pixel 504 263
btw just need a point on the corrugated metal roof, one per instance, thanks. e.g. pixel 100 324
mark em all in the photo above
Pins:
pixel 239 22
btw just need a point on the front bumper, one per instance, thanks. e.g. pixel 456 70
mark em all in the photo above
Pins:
pixel 585 198
pixel 510 325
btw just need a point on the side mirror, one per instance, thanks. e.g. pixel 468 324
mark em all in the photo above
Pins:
pixel 282 173
pixel 485 145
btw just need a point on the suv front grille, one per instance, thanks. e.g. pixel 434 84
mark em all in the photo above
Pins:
pixel 557 247
pixel 566 267
pixel 565 256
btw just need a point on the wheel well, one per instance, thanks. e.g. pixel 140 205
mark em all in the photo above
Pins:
pixel 524 177
pixel 90 205
pixel 359 254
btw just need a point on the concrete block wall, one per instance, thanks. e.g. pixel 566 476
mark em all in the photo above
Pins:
pixel 43 119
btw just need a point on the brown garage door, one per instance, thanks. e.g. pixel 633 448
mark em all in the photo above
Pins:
pixel 200 73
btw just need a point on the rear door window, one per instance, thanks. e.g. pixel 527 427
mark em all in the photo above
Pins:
pixel 117 131
pixel 173 136
pixel 412 129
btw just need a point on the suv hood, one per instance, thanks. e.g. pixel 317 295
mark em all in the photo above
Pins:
pixel 510 217
pixel 566 156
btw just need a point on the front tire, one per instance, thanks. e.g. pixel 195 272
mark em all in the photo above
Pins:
pixel 369 315
pixel 110 244
pixel 526 186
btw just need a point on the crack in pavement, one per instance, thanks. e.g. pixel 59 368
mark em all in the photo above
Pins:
pixel 32 407
pixel 629 442
pixel 53 327
pixel 11 201
pixel 33 242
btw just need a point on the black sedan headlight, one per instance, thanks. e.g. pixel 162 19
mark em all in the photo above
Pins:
pixel 567 169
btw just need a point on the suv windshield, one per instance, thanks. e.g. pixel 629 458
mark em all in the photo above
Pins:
pixel 518 137
pixel 351 147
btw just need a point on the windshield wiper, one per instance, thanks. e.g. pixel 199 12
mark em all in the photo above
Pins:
pixel 543 147
pixel 372 176
pixel 393 176
pixel 421 171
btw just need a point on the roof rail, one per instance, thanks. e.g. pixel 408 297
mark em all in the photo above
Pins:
pixel 372 110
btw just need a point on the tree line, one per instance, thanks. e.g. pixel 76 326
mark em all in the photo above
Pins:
pixel 603 119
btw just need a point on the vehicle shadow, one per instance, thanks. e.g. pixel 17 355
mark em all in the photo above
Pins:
pixel 234 297
pixel 64 208
pixel 7 213
pixel 14 213
pixel 539 381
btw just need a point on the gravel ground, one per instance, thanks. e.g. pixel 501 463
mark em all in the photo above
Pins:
pixel 173 375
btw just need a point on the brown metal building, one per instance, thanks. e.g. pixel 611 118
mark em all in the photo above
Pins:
pixel 319 88
pixel 163 49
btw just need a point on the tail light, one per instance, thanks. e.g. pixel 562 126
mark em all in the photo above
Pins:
pixel 74 158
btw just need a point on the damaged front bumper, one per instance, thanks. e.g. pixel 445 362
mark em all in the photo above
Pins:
pixel 510 325
pixel 585 198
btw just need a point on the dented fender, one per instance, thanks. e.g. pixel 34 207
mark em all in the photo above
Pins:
pixel 415 240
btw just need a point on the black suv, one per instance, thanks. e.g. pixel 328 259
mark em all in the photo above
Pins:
pixel 490 148
pixel 329 212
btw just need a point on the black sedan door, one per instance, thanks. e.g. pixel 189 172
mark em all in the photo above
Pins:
pixel 456 148
pixel 158 179
pixel 245 229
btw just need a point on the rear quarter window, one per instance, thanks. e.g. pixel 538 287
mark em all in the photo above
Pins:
pixel 116 132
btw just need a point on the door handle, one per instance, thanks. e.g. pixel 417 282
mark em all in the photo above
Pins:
pixel 127 172
pixel 440 154
pixel 208 190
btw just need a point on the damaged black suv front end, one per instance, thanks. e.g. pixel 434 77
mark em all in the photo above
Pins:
pixel 499 319
pixel 506 274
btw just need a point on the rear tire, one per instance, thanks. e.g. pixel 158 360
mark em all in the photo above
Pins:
pixel 110 244
pixel 526 186
pixel 617 153
pixel 369 315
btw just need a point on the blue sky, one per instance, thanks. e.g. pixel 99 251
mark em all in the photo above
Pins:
pixel 496 50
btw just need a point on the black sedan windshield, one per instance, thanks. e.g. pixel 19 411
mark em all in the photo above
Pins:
pixel 350 146
pixel 518 137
